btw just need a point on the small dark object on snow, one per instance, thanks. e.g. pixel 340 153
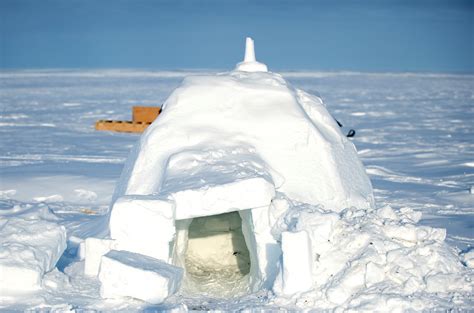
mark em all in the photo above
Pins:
pixel 351 132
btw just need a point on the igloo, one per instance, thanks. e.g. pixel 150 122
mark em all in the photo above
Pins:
pixel 202 189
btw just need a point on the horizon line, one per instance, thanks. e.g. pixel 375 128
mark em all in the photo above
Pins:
pixel 130 71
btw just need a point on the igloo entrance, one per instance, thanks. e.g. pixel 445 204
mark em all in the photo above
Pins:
pixel 214 253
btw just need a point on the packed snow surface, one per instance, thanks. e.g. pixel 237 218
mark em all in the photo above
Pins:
pixel 278 129
pixel 414 135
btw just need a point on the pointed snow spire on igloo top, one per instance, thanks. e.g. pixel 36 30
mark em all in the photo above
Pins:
pixel 250 64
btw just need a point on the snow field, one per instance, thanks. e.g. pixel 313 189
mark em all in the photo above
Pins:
pixel 413 134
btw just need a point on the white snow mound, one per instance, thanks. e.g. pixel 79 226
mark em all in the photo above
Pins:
pixel 259 115
pixel 372 259
pixel 29 247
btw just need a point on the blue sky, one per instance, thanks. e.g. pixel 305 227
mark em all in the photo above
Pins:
pixel 371 35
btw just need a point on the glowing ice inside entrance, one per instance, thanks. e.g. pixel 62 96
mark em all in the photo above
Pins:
pixel 215 257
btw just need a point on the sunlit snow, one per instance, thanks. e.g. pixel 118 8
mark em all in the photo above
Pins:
pixel 414 134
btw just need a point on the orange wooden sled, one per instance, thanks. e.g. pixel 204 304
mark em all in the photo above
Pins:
pixel 142 117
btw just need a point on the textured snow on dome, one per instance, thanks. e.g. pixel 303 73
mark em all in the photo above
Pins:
pixel 256 114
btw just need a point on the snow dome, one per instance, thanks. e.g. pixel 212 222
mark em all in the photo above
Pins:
pixel 200 190
pixel 248 124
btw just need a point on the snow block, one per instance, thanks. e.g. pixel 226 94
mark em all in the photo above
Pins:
pixel 211 182
pixel 225 198
pixel 297 262
pixel 28 249
pixel 95 248
pixel 265 250
pixel 127 274
pixel 143 224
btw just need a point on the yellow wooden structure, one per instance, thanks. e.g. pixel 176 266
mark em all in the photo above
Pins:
pixel 142 117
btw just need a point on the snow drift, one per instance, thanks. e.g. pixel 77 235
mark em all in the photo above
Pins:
pixel 30 245
pixel 369 260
